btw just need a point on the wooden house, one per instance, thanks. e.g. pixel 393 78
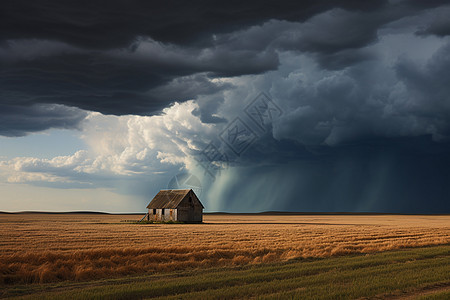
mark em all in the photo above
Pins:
pixel 175 205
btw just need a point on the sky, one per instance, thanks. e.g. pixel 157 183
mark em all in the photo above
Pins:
pixel 310 106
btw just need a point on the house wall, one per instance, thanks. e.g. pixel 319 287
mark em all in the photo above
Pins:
pixel 190 214
pixel 182 214
pixel 198 214
pixel 169 215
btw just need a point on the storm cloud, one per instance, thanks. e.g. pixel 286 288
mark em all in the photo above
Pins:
pixel 95 24
pixel 19 121
pixel 136 57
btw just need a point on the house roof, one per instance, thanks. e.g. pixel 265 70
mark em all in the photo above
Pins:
pixel 169 199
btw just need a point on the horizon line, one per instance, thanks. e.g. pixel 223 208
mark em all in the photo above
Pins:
pixel 224 213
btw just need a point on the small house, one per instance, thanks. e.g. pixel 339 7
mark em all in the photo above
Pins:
pixel 176 205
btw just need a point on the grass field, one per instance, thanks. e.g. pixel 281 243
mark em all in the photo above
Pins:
pixel 71 251
pixel 421 273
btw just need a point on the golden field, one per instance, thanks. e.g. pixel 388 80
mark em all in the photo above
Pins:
pixel 55 247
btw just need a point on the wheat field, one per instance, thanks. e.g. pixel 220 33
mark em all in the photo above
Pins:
pixel 38 248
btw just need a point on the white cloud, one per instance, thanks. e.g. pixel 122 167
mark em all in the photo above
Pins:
pixel 123 146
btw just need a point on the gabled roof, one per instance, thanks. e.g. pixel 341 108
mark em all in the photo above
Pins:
pixel 169 199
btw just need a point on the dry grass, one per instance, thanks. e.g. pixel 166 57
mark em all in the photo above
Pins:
pixel 49 248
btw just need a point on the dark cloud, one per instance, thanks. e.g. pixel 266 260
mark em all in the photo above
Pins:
pixel 336 30
pixel 426 4
pixel 408 98
pixel 122 81
pixel 137 57
pixel 439 24
pixel 401 175
pixel 19 121
pixel 331 37
pixel 344 58
pixel 133 57
pixel 429 90
pixel 371 137
pixel 440 28
pixel 92 24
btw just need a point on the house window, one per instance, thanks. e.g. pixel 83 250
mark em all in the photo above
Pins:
pixel 154 211
pixel 162 212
